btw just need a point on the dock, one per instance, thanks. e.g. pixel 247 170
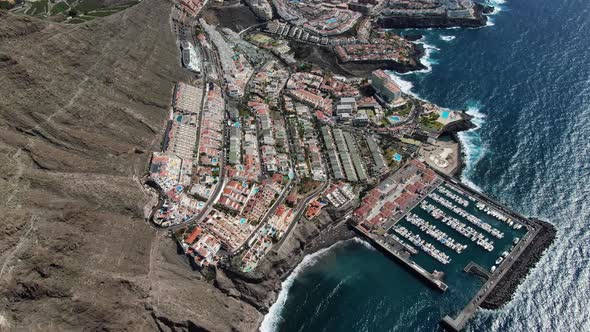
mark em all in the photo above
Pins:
pixel 426 276
pixel 476 269
pixel 457 323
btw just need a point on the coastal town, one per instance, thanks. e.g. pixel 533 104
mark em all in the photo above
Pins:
pixel 259 140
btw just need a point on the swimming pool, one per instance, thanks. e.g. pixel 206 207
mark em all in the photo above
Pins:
pixel 331 20
pixel 444 115
pixel 397 157
pixel 394 118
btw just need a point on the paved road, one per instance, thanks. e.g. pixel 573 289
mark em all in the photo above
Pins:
pixel 300 209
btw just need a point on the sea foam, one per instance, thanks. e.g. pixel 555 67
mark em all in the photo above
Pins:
pixel 472 144
pixel 447 38
pixel 427 59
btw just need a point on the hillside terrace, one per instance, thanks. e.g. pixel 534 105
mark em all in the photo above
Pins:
pixel 272 138
pixel 210 143
pixel 236 68
pixel 171 170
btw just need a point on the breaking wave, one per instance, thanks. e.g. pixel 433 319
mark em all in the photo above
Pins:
pixel 446 38
pixel 427 59
pixel 472 144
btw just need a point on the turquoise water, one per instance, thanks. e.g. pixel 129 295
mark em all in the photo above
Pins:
pixel 394 118
pixel 444 115
pixel 526 79
pixel 397 157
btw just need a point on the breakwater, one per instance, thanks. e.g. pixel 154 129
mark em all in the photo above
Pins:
pixel 505 288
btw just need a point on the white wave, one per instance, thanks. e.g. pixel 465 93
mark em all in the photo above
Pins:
pixel 363 242
pixel 472 144
pixel 490 22
pixel 426 59
pixel 499 5
pixel 446 38
pixel 273 318
pixel 405 86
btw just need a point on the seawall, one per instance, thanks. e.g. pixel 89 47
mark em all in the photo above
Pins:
pixel 505 288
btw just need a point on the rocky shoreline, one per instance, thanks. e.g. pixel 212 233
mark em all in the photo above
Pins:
pixel 325 58
pixel 260 288
pixel 453 131
pixel 504 290
pixel 415 22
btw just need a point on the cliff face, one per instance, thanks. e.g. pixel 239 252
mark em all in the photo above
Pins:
pixel 260 287
pixel 403 22
pixel 81 107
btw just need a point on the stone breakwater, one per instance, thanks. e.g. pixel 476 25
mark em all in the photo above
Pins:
pixel 506 287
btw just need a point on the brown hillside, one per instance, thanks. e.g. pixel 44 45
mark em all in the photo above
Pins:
pixel 81 107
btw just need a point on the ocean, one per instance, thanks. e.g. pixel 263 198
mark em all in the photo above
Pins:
pixel 526 79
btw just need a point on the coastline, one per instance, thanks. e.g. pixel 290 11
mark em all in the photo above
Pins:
pixel 403 22
pixel 261 287
pixel 307 241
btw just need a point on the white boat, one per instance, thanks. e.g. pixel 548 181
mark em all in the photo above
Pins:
pixel 499 260
pixel 493 269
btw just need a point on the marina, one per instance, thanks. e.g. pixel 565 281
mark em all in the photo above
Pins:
pixel 425 246
pixel 469 217
pixel 460 227
pixel 439 235
pixel 432 219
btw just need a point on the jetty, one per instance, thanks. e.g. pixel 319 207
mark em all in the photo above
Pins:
pixel 458 322
pixel 416 185
pixel 476 269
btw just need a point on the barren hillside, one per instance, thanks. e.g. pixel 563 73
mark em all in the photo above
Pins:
pixel 80 109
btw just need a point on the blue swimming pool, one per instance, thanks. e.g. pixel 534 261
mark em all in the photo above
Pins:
pixel 331 20
pixel 397 157
pixel 445 115
pixel 394 118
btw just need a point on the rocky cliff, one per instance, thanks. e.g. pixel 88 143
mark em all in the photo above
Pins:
pixel 260 288
pixel 81 107
pixel 435 21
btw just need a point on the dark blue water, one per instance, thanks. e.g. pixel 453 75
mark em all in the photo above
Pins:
pixel 527 80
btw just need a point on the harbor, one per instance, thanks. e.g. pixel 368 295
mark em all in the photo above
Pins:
pixel 445 232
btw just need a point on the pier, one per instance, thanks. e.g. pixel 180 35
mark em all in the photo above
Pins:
pixel 463 201
pixel 457 323
pixel 476 269
pixel 428 277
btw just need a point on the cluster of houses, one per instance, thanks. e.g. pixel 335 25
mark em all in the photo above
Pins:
pixel 305 145
pixel 396 195
pixel 236 68
pixel 171 170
